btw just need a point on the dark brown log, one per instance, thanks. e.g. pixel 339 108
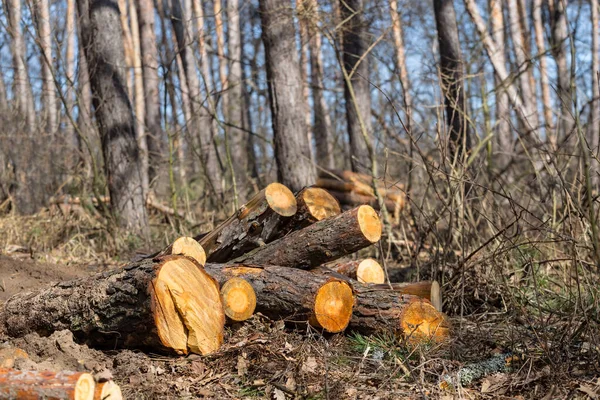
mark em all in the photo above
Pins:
pixel 294 295
pixel 15 384
pixel 256 223
pixel 321 242
pixel 411 317
pixel 169 304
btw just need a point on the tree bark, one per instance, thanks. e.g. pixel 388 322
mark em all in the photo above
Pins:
pixel 545 85
pixel 595 106
pixel 294 167
pixel 452 77
pixel 170 304
pixel 367 270
pixel 15 384
pixel 294 295
pixel 70 95
pixel 321 242
pixel 356 65
pixel 103 48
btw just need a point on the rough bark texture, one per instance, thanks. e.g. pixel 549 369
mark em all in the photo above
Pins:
pixel 154 133
pixel 356 64
pixel 294 167
pixel 103 47
pixel 15 384
pixel 452 77
pixel 256 223
pixel 321 242
pixel 291 295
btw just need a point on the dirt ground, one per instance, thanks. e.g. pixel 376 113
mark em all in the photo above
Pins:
pixel 266 359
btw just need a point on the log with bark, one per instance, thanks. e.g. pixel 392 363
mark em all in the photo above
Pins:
pixel 294 295
pixel 352 199
pixel 321 242
pixel 186 246
pixel 15 384
pixel 429 290
pixel 314 204
pixel 407 316
pixel 362 184
pixel 364 271
pixel 169 304
pixel 257 222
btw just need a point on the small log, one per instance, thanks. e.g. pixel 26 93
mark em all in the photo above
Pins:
pixel 294 295
pixel 256 223
pixel 321 242
pixel 15 384
pixel 170 304
pixel 314 204
pixel 353 199
pixel 186 246
pixel 364 271
pixel 411 317
pixel 108 390
pixel 239 299
pixel 429 290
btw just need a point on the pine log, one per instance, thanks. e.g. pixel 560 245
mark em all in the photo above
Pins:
pixel 314 204
pixel 407 316
pixel 294 295
pixel 353 199
pixel 429 290
pixel 364 271
pixel 239 299
pixel 256 223
pixel 170 304
pixel 321 242
pixel 186 246
pixel 108 390
pixel 15 384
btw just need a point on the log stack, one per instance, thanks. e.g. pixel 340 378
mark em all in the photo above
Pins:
pixel 353 188
pixel 279 255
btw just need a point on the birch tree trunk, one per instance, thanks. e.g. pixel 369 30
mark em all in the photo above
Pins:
pixel 294 167
pixel 356 64
pixel 452 76
pixel 544 83
pixel 502 130
pixel 152 118
pixel 103 46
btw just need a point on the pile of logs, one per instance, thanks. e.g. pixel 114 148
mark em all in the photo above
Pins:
pixel 276 255
pixel 353 188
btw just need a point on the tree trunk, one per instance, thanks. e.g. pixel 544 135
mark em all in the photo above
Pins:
pixel 502 129
pixel 322 242
pixel 127 45
pixel 181 13
pixel 545 85
pixel 15 384
pixel 452 77
pixel 294 167
pixel 294 295
pixel 595 106
pixel 304 60
pixel 140 106
pixel 70 94
pixel 238 139
pixel 44 33
pixel 170 304
pixel 103 48
pixel 356 65
pixel 152 118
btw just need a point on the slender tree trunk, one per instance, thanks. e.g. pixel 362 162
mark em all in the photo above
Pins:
pixel 356 64
pixel 127 45
pixel 139 103
pixel 70 74
pixel 452 75
pixel 520 49
pixel 44 33
pixel 21 85
pixel 525 28
pixel 544 83
pixel 322 122
pixel 502 130
pixel 181 25
pixel 292 153
pixel 103 47
pixel 238 139
pixel 595 114
pixel 84 116
pixel 152 118
pixel 304 60
pixel 558 41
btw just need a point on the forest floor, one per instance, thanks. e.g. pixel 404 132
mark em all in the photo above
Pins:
pixel 267 359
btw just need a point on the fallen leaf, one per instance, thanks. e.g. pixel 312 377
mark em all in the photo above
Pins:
pixel 242 366
pixel 278 394
pixel 309 365
pixel 588 390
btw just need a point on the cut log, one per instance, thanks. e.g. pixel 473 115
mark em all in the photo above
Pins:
pixel 170 304
pixel 108 391
pixel 364 271
pixel 321 242
pixel 411 317
pixel 239 299
pixel 15 384
pixel 186 246
pixel 429 290
pixel 353 199
pixel 294 295
pixel 256 223
pixel 314 204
